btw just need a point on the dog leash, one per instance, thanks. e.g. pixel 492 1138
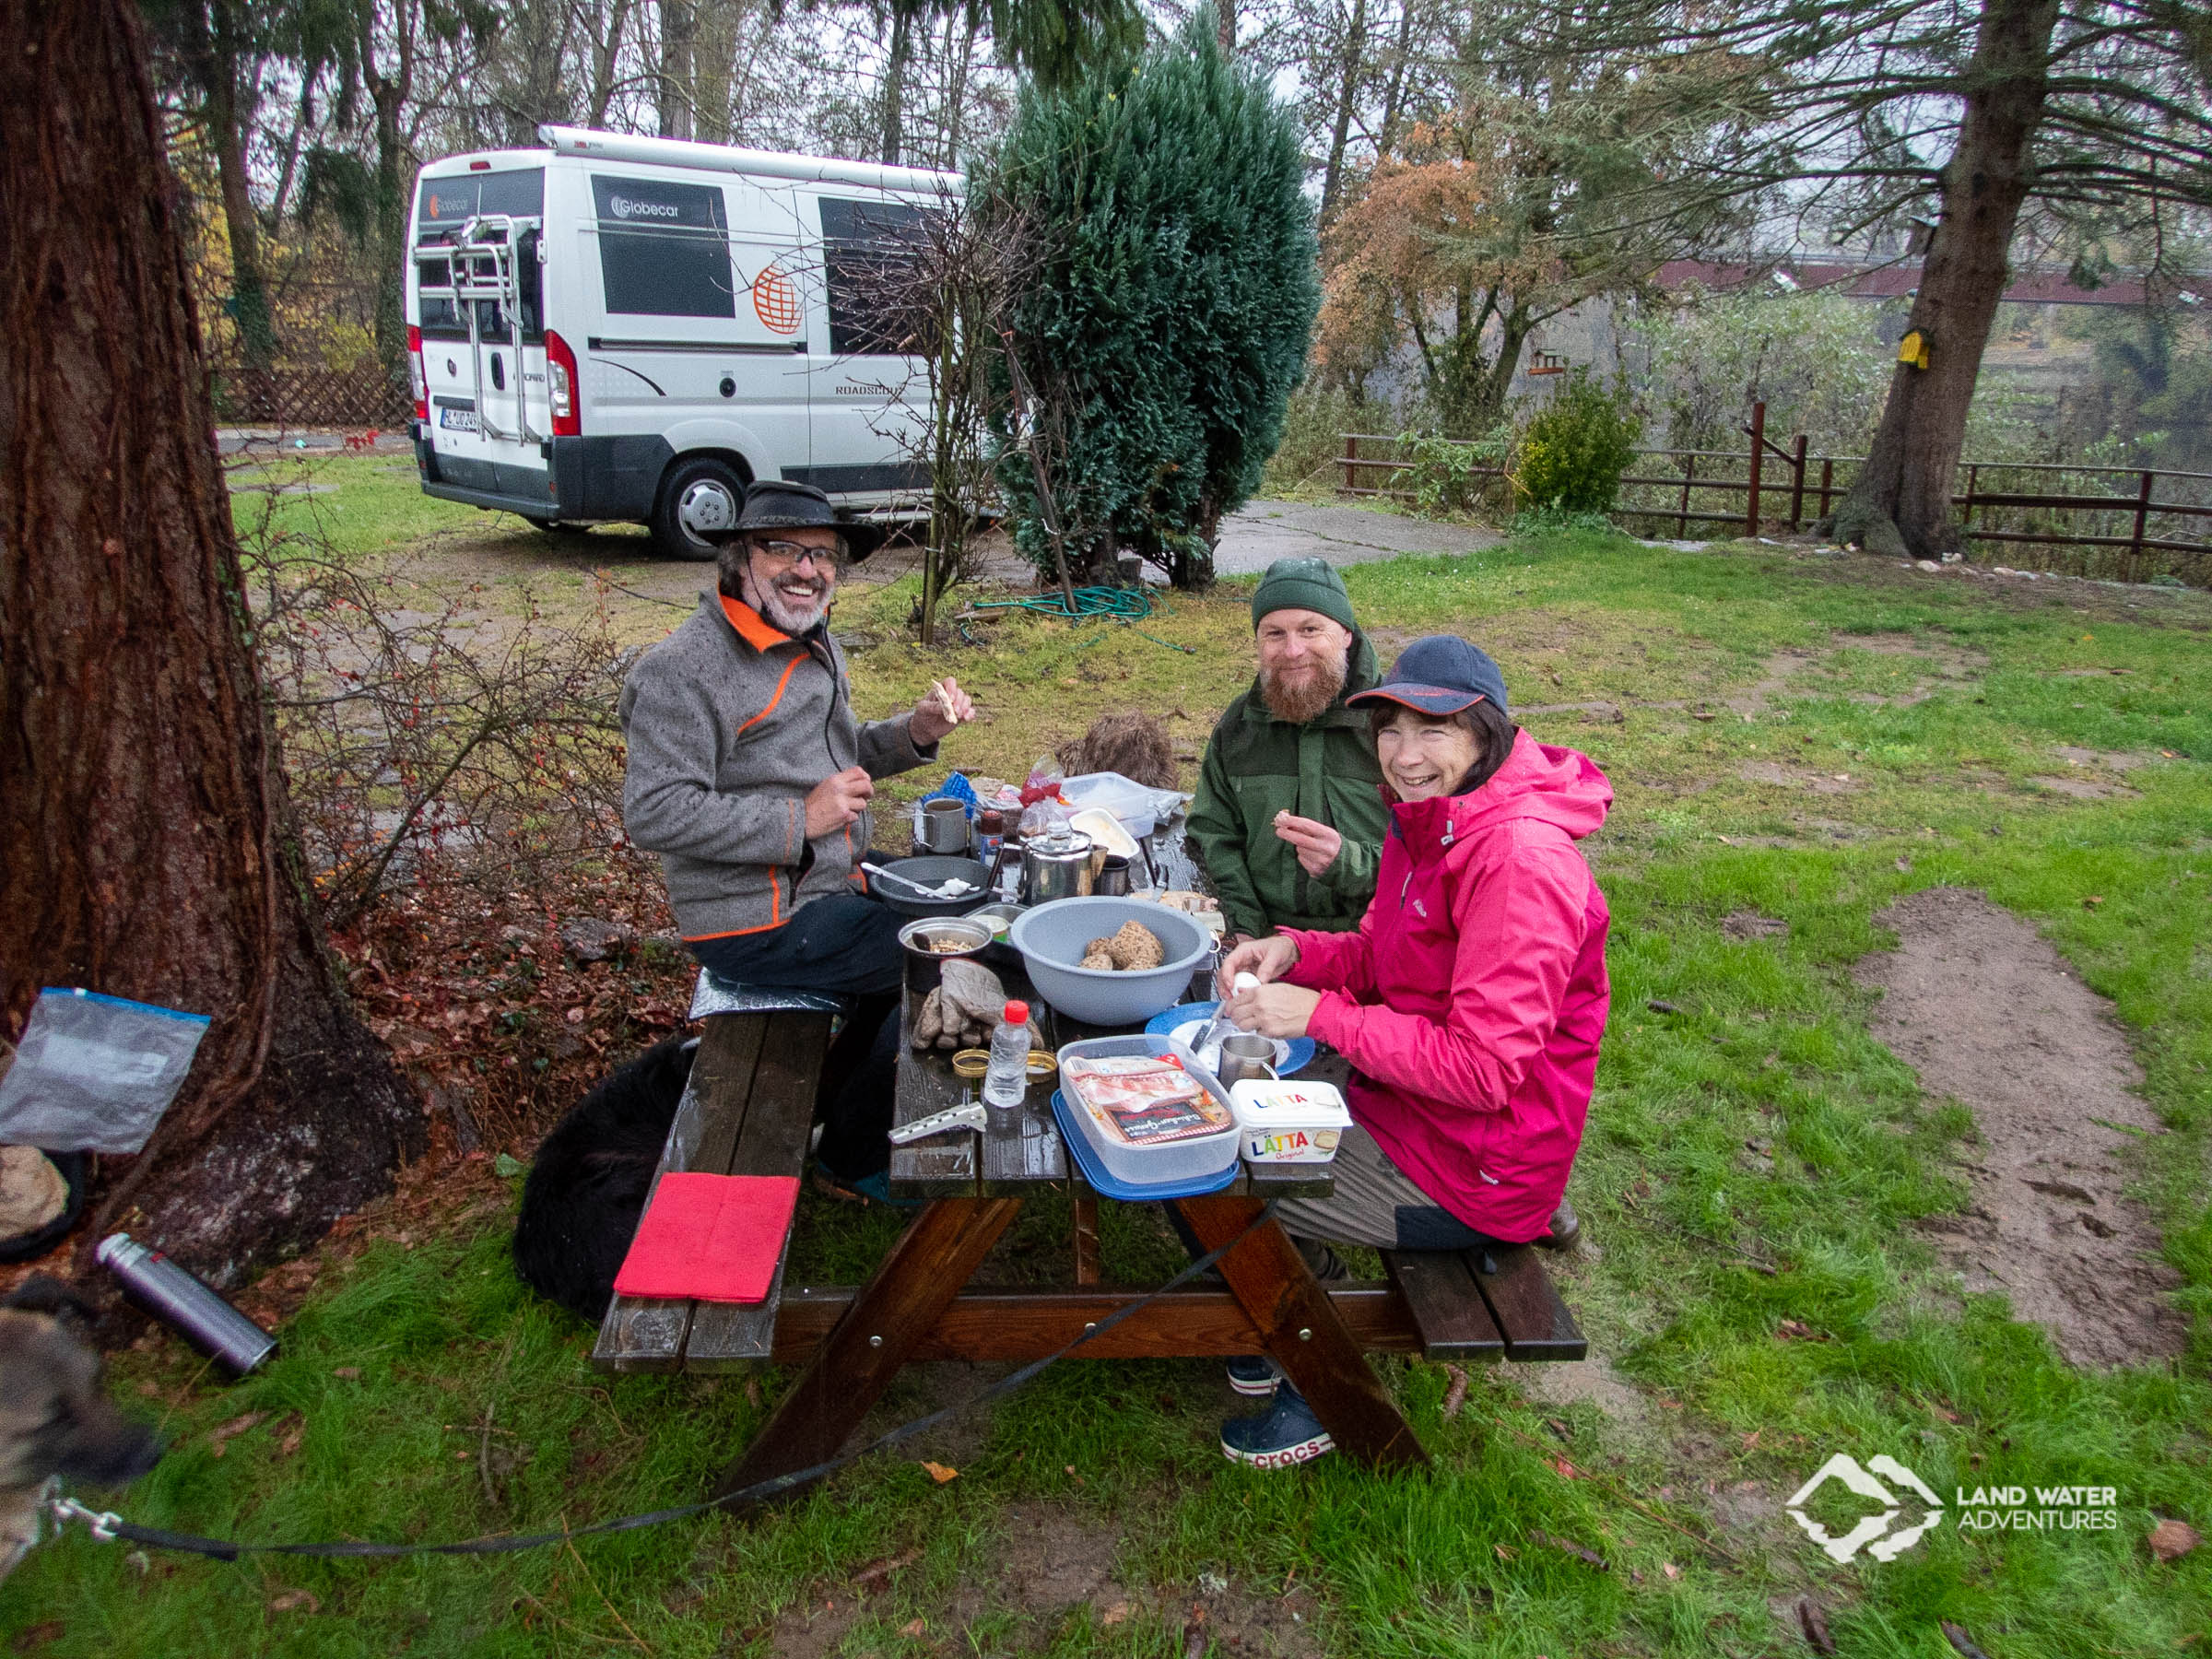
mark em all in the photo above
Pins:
pixel 106 1526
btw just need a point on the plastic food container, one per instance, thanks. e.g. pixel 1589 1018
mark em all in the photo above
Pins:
pixel 1138 807
pixel 1051 939
pixel 1170 1162
pixel 1288 1121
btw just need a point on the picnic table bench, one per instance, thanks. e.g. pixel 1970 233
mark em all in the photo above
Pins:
pixel 747 1110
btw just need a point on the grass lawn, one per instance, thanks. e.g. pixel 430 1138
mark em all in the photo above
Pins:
pixel 1795 737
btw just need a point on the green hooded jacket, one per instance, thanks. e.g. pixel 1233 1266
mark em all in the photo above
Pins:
pixel 1257 766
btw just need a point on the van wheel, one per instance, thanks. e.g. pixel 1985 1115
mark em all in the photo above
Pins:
pixel 697 497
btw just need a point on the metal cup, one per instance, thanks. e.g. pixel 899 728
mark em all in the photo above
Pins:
pixel 943 826
pixel 1246 1057
pixel 1113 877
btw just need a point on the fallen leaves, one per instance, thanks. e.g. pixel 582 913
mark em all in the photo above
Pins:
pixel 875 1571
pixel 1580 1551
pixel 218 1439
pixel 1456 1391
pixel 940 1473
pixel 913 1629
pixel 1958 1639
pixel 1565 1470
pixel 2170 1540
pixel 1796 1330
pixel 1116 1614
pixel 1813 1623
pixel 295 1601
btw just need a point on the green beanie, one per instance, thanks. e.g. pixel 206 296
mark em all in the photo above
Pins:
pixel 1303 585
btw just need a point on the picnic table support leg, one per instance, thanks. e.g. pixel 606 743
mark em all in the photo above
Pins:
pixel 856 1361
pixel 1304 1333
pixel 1084 1204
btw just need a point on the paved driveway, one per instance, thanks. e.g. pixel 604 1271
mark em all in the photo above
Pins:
pixel 1266 530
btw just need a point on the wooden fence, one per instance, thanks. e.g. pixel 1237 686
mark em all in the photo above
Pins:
pixel 2133 529
pixel 290 396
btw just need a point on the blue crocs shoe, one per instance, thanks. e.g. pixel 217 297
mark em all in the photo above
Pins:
pixel 1284 1434
pixel 1255 1374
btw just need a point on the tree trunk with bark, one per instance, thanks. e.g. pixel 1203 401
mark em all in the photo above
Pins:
pixel 679 27
pixel 1347 90
pixel 214 51
pixel 1901 503
pixel 148 850
pixel 896 58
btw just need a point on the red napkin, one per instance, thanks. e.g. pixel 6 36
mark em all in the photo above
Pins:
pixel 714 1237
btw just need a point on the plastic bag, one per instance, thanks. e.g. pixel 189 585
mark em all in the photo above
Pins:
pixel 93 1073
pixel 1045 778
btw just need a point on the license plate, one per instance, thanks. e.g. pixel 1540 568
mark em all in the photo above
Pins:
pixel 457 420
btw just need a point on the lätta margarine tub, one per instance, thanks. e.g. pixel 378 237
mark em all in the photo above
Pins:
pixel 1288 1120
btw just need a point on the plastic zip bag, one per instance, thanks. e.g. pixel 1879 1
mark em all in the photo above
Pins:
pixel 93 1073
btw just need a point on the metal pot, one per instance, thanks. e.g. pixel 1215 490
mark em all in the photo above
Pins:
pixel 1055 866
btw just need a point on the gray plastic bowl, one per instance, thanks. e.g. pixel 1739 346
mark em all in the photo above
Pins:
pixel 1051 939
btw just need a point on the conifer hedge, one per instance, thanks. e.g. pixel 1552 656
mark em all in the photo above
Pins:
pixel 1167 321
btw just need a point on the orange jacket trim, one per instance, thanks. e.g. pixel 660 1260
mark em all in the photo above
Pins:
pixel 789 669
pixel 751 627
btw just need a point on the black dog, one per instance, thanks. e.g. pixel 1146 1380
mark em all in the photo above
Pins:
pixel 587 1189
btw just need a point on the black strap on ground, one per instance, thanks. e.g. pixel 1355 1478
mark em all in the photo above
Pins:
pixel 109 1527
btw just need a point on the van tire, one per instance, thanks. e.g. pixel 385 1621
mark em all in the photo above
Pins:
pixel 703 490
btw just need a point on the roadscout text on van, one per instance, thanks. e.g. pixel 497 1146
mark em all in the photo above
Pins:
pixel 614 328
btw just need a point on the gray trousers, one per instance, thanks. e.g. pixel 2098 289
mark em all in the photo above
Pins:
pixel 1375 1204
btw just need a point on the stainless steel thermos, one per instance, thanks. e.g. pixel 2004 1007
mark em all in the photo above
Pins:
pixel 188 1307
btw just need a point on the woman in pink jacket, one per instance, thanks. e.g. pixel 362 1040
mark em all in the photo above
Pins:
pixel 1470 1002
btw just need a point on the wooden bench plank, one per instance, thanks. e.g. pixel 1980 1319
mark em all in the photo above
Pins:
pixel 1447 1308
pixel 1023 1325
pixel 639 1335
pixel 1526 1305
pixel 771 1140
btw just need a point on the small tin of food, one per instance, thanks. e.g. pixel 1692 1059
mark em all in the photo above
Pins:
pixel 933 939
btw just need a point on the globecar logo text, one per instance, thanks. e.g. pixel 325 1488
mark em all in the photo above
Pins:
pixel 629 207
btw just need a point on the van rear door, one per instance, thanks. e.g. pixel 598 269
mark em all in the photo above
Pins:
pixel 480 297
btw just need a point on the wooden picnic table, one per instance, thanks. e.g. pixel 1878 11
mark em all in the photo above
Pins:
pixel 747 1112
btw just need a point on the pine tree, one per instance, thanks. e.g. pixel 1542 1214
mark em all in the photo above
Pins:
pixel 1166 320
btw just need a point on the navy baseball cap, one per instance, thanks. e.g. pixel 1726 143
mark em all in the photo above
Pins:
pixel 1440 675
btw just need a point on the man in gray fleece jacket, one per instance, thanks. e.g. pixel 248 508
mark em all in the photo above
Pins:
pixel 750 776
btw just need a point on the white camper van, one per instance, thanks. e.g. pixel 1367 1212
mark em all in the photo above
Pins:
pixel 614 329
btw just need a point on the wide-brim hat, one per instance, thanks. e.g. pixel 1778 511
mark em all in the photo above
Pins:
pixel 781 504
pixel 1440 675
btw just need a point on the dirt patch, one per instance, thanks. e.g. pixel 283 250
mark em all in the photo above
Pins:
pixel 2083 789
pixel 1750 924
pixel 1989 1013
pixel 2106 759
pixel 1052 1565
pixel 1795 776
pixel 1571 1381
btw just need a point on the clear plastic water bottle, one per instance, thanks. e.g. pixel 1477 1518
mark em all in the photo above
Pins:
pixel 1007 1079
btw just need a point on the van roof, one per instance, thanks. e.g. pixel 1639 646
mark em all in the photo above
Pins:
pixel 585 143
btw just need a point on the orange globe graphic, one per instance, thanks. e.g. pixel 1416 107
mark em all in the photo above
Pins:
pixel 776 301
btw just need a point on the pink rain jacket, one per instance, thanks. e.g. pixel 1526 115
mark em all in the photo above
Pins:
pixel 1472 999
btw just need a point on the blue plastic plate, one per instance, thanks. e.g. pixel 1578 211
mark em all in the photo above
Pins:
pixel 1152 1191
pixel 1302 1049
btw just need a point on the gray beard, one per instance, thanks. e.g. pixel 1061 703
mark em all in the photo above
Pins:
pixel 1299 704
pixel 793 622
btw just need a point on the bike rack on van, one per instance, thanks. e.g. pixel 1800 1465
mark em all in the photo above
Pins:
pixel 485 239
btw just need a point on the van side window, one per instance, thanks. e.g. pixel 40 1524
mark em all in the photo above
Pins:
pixel 663 248
pixel 865 248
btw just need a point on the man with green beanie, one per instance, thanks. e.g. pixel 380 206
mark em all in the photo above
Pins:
pixel 1289 815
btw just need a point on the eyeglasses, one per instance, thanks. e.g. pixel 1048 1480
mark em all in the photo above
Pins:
pixel 797 553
